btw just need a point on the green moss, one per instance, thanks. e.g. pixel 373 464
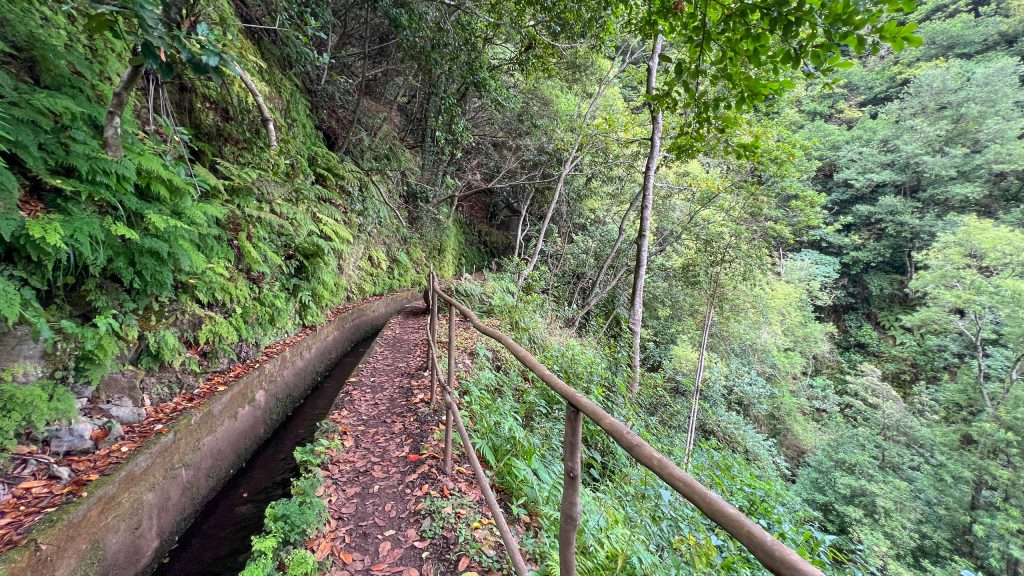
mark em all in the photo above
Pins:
pixel 90 565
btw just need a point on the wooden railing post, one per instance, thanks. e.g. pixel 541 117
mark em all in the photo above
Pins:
pixel 451 386
pixel 447 439
pixel 569 513
pixel 432 332
pixel 451 347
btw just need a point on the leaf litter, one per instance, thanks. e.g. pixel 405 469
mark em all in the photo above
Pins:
pixel 375 489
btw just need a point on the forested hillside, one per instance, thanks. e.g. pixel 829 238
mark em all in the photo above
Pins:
pixel 783 240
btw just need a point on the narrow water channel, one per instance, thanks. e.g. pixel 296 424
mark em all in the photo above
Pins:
pixel 217 543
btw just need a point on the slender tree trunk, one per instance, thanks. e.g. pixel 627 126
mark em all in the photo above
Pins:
pixel 567 167
pixel 1015 376
pixel 664 244
pixel 571 161
pixel 615 247
pixel 597 298
pixel 643 234
pixel 330 48
pixel 362 80
pixel 268 118
pixel 596 292
pixel 699 377
pixel 519 229
pixel 112 122
pixel 979 358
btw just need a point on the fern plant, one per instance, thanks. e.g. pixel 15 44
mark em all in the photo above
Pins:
pixel 31 406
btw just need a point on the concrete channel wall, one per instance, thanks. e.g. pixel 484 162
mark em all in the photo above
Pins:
pixel 130 518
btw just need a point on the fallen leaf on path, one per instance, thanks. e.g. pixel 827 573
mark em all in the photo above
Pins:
pixel 323 550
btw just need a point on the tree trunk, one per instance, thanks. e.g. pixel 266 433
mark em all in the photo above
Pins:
pixel 1014 377
pixel 643 234
pixel 979 357
pixel 595 293
pixel 699 377
pixel 268 118
pixel 571 161
pixel 520 232
pixel 112 122
pixel 362 80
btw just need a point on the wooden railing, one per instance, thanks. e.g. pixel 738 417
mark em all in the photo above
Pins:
pixel 770 552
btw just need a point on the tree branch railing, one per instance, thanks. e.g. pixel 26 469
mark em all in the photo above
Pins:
pixel 769 551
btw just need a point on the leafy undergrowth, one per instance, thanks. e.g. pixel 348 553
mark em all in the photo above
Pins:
pixel 30 406
pixel 290 522
pixel 631 522
pixel 471 535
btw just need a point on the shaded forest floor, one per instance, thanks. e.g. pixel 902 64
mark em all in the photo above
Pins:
pixel 383 489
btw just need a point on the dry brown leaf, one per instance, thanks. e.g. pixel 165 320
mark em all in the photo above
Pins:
pixel 323 550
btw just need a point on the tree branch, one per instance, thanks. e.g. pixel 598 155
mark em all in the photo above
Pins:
pixel 112 122
pixel 268 118
pixel 575 157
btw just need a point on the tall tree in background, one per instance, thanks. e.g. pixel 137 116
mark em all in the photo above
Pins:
pixel 636 310
pixel 731 57
pixel 973 288
pixel 691 431
pixel 622 59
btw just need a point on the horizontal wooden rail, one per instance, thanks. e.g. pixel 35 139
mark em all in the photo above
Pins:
pixel 452 415
pixel 769 551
